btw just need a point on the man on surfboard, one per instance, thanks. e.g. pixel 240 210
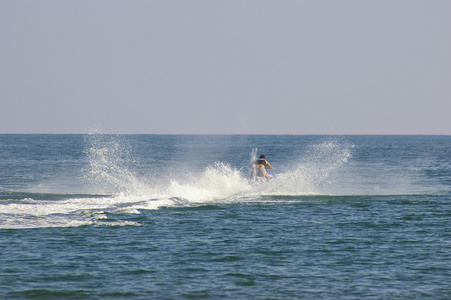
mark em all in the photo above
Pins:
pixel 259 167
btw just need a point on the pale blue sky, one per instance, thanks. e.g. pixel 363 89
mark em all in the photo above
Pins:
pixel 225 67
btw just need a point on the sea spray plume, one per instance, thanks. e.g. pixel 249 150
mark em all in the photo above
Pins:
pixel 253 155
pixel 108 163
pixel 253 159
pixel 217 182
pixel 314 172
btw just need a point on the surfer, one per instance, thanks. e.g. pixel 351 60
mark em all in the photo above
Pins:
pixel 259 167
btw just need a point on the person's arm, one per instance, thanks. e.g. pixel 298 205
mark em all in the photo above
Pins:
pixel 269 165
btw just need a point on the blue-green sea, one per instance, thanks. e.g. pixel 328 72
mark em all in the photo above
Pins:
pixel 100 216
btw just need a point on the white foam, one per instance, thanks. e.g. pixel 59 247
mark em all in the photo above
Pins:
pixel 217 182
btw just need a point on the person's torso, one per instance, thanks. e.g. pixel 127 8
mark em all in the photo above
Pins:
pixel 261 163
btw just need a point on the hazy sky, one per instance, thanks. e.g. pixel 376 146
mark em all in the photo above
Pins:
pixel 226 67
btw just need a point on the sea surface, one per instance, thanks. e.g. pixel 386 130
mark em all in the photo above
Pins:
pixel 177 217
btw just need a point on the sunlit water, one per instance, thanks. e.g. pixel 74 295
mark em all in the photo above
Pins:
pixel 174 217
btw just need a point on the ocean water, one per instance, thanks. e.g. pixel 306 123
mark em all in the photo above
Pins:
pixel 176 217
